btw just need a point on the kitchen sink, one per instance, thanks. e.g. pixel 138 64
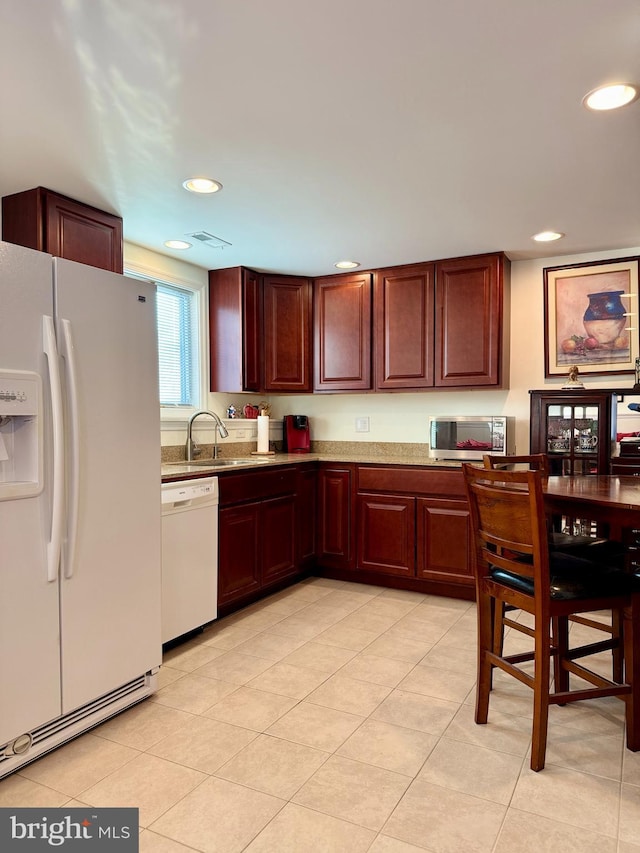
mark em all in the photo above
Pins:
pixel 221 463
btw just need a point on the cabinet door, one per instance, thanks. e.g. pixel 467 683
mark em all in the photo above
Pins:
pixel 287 333
pixel 239 565
pixel 342 333
pixel 576 430
pixel 49 222
pixel 469 321
pixel 306 490
pixel 444 541
pixel 251 331
pixel 278 538
pixel 386 534
pixel 235 330
pixel 83 234
pixel 403 331
pixel 335 528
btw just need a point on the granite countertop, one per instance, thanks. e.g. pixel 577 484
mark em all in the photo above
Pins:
pixel 172 470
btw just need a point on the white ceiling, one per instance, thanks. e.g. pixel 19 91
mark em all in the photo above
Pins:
pixel 384 131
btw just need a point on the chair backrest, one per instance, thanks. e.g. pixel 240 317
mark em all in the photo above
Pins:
pixel 508 523
pixel 533 462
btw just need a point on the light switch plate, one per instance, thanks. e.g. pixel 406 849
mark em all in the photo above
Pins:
pixel 362 424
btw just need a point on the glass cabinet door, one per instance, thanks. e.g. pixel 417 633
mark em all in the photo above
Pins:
pixel 576 430
pixel 572 434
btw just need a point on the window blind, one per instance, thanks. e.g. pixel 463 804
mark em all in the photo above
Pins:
pixel 176 345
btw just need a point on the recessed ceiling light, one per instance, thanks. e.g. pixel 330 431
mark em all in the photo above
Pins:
pixel 177 244
pixel 547 236
pixel 611 97
pixel 202 185
pixel 347 265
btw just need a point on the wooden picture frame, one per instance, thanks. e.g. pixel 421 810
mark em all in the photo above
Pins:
pixel 591 317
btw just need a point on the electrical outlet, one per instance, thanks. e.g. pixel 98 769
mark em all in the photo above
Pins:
pixel 362 424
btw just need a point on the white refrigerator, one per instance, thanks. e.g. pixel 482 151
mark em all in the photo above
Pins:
pixel 80 513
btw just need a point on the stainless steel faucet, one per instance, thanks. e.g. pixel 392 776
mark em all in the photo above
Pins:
pixel 192 448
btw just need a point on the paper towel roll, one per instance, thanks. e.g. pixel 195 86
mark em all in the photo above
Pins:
pixel 263 433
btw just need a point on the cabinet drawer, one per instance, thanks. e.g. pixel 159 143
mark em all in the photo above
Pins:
pixel 414 481
pixel 626 468
pixel 255 485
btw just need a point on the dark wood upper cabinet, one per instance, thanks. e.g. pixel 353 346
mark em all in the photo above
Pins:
pixel 342 332
pixel 49 222
pixel 287 333
pixel 235 330
pixel 470 321
pixel 259 331
pixel 403 327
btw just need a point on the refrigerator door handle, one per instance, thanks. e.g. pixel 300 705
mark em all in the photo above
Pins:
pixel 57 502
pixel 69 356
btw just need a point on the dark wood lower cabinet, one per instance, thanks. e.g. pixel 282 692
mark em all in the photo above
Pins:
pixel 386 534
pixel 443 541
pixel 410 525
pixel 405 526
pixel 239 567
pixel 277 532
pixel 306 514
pixel 258 537
pixel 336 530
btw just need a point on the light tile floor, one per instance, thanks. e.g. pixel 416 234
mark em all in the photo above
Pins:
pixel 339 717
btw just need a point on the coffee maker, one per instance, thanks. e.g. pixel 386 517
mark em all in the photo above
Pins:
pixel 295 434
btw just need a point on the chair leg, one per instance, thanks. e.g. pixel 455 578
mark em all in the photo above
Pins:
pixel 486 622
pixel 617 633
pixel 560 633
pixel 542 672
pixel 631 634
pixel 499 609
pixel 498 627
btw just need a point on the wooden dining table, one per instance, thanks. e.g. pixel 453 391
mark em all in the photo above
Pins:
pixel 615 502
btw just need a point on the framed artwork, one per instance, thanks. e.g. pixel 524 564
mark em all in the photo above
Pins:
pixel 591 317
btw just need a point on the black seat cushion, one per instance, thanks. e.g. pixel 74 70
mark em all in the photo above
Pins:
pixel 598 550
pixel 573 577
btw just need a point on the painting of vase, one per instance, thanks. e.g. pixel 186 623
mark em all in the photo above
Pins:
pixel 604 320
pixel 591 317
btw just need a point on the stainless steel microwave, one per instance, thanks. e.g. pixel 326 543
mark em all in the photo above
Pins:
pixel 469 437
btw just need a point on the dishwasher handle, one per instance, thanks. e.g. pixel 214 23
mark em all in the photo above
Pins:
pixel 180 504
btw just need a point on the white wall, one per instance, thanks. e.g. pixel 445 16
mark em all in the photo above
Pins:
pixel 403 417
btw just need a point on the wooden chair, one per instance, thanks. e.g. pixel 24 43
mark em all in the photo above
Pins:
pixel 589 547
pixel 513 565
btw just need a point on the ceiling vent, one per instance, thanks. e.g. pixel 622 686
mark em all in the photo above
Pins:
pixel 209 240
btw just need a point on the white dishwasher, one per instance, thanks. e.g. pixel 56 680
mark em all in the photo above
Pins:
pixel 189 555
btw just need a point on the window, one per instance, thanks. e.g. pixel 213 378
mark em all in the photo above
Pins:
pixel 178 345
